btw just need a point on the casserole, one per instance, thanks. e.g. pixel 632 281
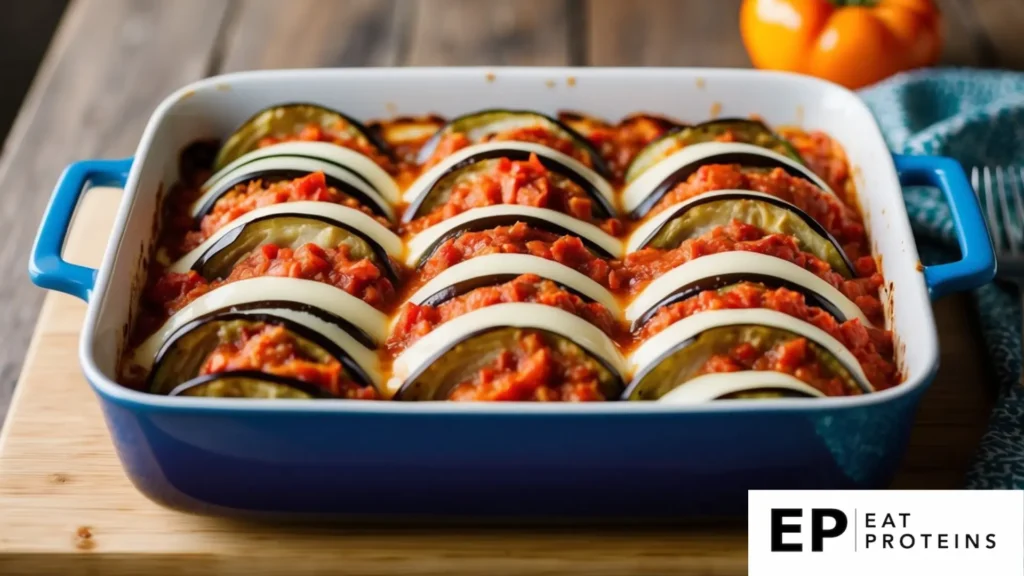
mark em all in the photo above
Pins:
pixel 605 459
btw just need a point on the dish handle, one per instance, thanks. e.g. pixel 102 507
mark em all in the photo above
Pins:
pixel 977 264
pixel 46 266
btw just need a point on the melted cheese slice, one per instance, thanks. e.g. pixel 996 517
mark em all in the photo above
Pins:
pixel 494 264
pixel 519 315
pixel 350 217
pixel 646 231
pixel 363 165
pixel 704 153
pixel 739 263
pixel 713 386
pixel 656 347
pixel 266 288
pixel 419 245
pixel 302 164
pixel 366 358
pixel 427 180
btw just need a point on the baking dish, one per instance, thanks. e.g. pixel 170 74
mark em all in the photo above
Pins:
pixel 608 459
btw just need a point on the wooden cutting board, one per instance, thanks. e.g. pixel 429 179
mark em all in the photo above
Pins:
pixel 66 506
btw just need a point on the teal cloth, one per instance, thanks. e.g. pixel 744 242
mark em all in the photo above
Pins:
pixel 976 117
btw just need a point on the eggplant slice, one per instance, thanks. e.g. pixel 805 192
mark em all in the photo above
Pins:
pixel 248 384
pixel 183 354
pixel 287 120
pixel 275 169
pixel 744 130
pixel 344 158
pixel 698 215
pixel 674 355
pixel 289 231
pixel 369 325
pixel 718 271
pixel 681 363
pixel 492 269
pixel 641 195
pixel 459 363
pixel 422 246
pixel 415 359
pixel 477 126
pixel 382 240
pixel 563 174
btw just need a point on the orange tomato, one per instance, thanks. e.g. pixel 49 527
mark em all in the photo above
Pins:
pixel 851 42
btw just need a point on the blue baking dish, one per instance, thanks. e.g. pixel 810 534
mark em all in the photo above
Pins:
pixel 615 459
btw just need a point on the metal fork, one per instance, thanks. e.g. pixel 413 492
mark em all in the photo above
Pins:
pixel 1001 192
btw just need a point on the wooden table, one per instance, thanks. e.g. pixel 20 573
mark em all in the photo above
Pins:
pixel 112 61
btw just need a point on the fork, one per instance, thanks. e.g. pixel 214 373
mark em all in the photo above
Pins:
pixel 1000 190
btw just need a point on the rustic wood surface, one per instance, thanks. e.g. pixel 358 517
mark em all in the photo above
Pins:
pixel 109 65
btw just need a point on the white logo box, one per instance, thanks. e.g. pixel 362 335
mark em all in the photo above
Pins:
pixel 886 532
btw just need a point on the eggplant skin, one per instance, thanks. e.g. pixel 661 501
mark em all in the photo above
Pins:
pixel 506 220
pixel 246 137
pixel 247 384
pixel 429 201
pixel 763 393
pixel 681 362
pixel 467 121
pixel 461 361
pixel 771 214
pixel 724 281
pixel 238 243
pixel 183 354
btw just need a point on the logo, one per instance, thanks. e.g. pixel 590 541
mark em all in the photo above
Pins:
pixel 886 532
pixel 818 530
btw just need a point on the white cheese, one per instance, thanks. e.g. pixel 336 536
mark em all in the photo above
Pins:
pixel 419 244
pixel 739 262
pixel 310 292
pixel 711 386
pixel 427 180
pixel 700 154
pixel 653 349
pixel 519 315
pixel 491 264
pixel 351 217
pixel 360 163
pixel 301 164
pixel 646 231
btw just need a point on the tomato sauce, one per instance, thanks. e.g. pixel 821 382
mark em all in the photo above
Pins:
pixel 273 350
pixel 618 145
pixel 825 157
pixel 522 182
pixel 840 220
pixel 415 321
pixel 870 345
pixel 532 371
pixel 519 238
pixel 793 357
